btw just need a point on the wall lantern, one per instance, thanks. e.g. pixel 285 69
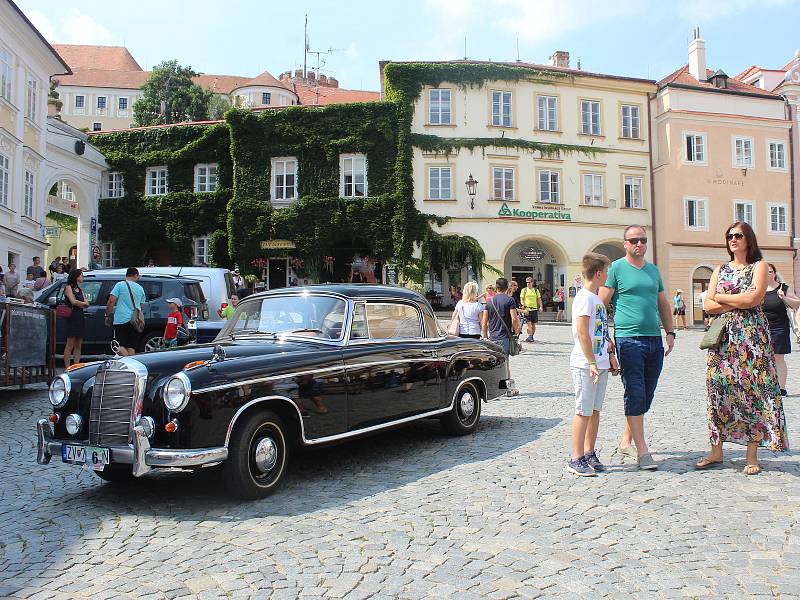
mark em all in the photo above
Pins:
pixel 472 189
pixel 744 172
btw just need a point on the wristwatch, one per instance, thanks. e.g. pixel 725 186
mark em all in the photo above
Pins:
pixel 672 333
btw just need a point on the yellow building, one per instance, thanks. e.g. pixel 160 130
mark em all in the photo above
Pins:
pixel 535 213
pixel 721 154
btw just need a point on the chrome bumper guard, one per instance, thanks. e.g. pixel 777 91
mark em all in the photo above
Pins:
pixel 139 453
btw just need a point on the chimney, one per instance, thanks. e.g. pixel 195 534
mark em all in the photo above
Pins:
pixel 333 82
pixel 322 79
pixel 560 59
pixel 697 56
pixel 298 74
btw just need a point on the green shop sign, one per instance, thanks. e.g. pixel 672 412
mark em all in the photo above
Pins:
pixel 537 214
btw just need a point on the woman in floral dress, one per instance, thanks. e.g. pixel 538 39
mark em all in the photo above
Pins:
pixel 744 401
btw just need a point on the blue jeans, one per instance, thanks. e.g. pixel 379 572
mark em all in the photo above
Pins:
pixel 640 360
pixel 503 342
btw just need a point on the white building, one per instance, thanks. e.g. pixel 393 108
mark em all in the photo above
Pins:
pixel 37 152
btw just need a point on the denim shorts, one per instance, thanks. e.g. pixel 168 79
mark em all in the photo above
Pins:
pixel 589 396
pixel 504 343
pixel 640 359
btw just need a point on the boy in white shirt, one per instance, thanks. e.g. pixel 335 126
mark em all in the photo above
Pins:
pixel 591 360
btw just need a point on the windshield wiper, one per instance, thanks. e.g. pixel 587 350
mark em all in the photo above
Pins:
pixel 305 329
pixel 252 330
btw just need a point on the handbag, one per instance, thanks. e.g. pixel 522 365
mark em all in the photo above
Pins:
pixel 455 323
pixel 794 315
pixel 514 347
pixel 137 318
pixel 63 311
pixel 712 339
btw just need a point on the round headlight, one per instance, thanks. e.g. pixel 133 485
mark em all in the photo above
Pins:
pixel 59 391
pixel 74 424
pixel 177 392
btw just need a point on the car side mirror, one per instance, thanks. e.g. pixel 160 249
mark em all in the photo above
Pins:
pixel 52 301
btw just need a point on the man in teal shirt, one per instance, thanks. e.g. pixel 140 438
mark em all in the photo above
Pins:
pixel 126 297
pixel 635 288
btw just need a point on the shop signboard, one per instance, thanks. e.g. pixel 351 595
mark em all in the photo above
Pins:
pixel 277 245
pixel 52 231
pixel 391 274
pixel 92 231
pixel 538 213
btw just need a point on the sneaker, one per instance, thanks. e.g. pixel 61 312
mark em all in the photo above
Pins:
pixel 784 392
pixel 646 463
pixel 529 338
pixel 581 468
pixel 594 462
pixel 628 451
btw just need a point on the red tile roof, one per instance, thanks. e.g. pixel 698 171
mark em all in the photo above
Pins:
pixel 682 77
pixel 265 79
pixel 220 84
pixel 105 58
pixel 128 80
pixel 311 95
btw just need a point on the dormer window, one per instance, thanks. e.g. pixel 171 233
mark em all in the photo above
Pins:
pixel 719 80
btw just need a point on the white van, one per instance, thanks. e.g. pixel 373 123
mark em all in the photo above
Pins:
pixel 217 284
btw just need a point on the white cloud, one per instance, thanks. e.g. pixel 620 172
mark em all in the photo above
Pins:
pixel 75 28
pixel 704 11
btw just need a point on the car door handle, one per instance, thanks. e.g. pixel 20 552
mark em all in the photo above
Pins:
pixel 432 353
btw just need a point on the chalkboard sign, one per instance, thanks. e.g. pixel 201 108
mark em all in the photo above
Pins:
pixel 27 336
pixel 391 274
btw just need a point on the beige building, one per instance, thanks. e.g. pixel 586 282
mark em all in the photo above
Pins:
pixel 106 81
pixel 534 214
pixel 721 154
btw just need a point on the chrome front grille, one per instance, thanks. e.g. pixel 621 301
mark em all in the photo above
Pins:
pixel 113 398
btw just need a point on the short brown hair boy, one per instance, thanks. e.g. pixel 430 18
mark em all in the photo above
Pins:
pixel 593 263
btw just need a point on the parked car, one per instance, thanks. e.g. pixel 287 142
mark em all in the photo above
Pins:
pixel 97 285
pixel 217 284
pixel 292 367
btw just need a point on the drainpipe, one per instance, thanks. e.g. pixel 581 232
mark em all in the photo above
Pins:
pixel 792 184
pixel 654 245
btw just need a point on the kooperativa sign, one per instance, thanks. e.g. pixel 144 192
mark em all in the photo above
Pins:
pixel 536 214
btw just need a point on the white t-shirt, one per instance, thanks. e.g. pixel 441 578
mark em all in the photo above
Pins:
pixel 589 304
pixel 469 317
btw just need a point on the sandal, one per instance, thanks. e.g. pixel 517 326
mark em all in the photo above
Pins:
pixel 752 469
pixel 707 463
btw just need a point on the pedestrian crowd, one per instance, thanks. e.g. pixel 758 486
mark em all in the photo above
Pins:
pixel 746 368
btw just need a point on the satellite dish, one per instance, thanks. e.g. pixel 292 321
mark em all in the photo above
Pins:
pixel 80 147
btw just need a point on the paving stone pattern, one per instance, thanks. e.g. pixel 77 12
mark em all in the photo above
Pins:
pixel 415 514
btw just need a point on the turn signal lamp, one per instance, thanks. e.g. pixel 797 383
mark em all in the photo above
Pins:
pixel 75 366
pixel 172 426
pixel 193 364
pixel 54 418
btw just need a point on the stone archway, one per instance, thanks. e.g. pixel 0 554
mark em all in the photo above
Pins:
pixel 612 250
pixel 73 199
pixel 542 259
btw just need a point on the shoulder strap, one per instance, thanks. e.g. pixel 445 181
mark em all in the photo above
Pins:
pixel 133 302
pixel 497 312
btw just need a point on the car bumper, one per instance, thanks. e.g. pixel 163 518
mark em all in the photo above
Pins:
pixel 139 454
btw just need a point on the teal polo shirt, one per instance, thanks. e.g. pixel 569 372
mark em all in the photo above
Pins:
pixel 635 298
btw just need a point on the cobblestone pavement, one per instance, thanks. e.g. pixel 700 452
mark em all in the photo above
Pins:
pixel 415 514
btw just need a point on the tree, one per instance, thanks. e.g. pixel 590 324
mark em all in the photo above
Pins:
pixel 218 106
pixel 170 96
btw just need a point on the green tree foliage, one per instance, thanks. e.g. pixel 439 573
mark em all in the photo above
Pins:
pixel 217 107
pixel 183 100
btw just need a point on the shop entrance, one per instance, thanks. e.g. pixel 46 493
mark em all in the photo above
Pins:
pixel 276 274
pixel 700 280
pixel 540 260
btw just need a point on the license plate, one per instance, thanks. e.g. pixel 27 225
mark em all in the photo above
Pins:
pixel 95 457
pixel 192 324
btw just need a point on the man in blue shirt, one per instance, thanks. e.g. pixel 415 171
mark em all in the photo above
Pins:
pixel 126 296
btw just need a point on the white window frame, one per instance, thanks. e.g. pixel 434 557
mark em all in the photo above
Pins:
pixel 107 255
pixel 749 207
pixel 779 207
pixel 119 104
pixel 636 182
pixel 507 176
pixel 593 196
pixel 97 126
pixel 589 127
pixel 156 181
pixel 698 202
pixel 202 253
pixel 104 102
pixel 704 148
pixel 547 115
pixel 266 98
pixel 437 115
pixel 6 74
pixel 115 184
pixel 632 122
pixel 31 97
pixel 5 179
pixel 347 165
pixel 83 102
pixel 774 165
pixel 66 192
pixel 502 111
pixel 440 192
pixel 28 199
pixel 282 167
pixel 743 163
pixel 546 180
pixel 205 177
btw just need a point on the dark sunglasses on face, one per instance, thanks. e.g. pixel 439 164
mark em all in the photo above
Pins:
pixel 634 241
pixel 736 235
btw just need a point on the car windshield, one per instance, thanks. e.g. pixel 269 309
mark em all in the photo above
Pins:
pixel 302 314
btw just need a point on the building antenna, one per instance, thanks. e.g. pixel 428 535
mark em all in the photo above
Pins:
pixel 465 47
pixel 518 49
pixel 305 50
pixel 320 64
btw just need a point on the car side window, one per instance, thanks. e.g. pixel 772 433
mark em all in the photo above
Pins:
pixel 359 330
pixel 91 291
pixel 152 290
pixel 388 320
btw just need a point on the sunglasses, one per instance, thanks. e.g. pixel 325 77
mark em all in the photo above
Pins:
pixel 635 241
pixel 737 236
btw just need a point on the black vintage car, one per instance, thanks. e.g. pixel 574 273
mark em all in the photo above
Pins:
pixel 299 366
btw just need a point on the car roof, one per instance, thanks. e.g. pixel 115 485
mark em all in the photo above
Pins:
pixel 351 290
pixel 142 277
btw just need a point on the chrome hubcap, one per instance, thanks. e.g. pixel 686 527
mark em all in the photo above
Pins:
pixel 467 404
pixel 266 455
pixel 154 344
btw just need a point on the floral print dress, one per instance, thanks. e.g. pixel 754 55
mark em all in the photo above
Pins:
pixel 744 401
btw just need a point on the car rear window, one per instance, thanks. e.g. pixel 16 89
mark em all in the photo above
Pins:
pixel 194 292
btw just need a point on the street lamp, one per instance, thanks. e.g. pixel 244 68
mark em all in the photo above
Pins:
pixel 472 188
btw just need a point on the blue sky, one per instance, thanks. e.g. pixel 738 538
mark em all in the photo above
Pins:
pixel 640 38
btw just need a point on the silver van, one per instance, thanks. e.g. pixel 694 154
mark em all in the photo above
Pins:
pixel 217 284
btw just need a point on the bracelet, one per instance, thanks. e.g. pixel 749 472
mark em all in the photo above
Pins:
pixel 593 363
